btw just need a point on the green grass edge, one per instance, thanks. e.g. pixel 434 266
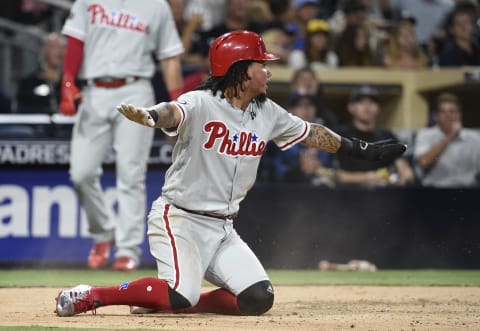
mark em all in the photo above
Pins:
pixel 59 278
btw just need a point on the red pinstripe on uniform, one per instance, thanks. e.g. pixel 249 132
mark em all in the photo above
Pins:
pixel 183 114
pixel 174 246
pixel 301 137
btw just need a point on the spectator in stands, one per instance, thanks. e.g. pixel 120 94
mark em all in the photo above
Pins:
pixel 326 8
pixel 348 13
pixel 301 164
pixel 377 22
pixel 35 12
pixel 310 170
pixel 305 10
pixel 37 19
pixel 278 34
pixel 472 7
pixel 272 19
pixel 212 12
pixel 309 108
pixel 237 17
pixel 430 16
pixel 447 154
pixel 364 108
pixel 194 65
pixel 461 48
pixel 260 12
pixel 188 28
pixel 39 91
pixel 279 40
pixel 283 12
pixel 367 12
pixel 403 51
pixel 285 166
pixel 318 52
pixel 353 47
pixel 305 82
pixel 376 11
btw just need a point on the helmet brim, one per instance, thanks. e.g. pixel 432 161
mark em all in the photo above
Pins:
pixel 268 57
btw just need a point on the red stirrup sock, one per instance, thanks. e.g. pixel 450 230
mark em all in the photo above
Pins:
pixel 219 301
pixel 146 292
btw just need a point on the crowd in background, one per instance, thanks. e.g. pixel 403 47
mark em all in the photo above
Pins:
pixel 304 33
pixel 308 35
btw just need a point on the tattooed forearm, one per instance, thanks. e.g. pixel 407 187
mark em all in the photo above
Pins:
pixel 323 138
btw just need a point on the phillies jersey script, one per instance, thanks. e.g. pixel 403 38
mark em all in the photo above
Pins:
pixel 229 150
pixel 120 36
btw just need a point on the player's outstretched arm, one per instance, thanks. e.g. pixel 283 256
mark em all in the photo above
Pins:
pixel 323 138
pixel 383 152
pixel 163 115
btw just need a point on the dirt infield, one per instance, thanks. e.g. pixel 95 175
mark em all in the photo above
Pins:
pixel 295 308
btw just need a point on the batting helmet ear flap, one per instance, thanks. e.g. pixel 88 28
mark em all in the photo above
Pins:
pixel 236 46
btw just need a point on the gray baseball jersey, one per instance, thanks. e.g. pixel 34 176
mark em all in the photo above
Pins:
pixel 219 147
pixel 120 36
pixel 215 163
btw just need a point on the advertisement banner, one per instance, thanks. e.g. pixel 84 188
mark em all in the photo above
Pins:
pixel 41 219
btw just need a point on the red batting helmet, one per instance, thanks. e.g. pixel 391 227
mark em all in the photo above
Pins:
pixel 236 46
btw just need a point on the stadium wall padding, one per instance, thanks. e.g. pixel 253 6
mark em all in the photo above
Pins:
pixel 287 226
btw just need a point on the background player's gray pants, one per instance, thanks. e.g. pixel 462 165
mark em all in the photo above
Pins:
pixel 98 128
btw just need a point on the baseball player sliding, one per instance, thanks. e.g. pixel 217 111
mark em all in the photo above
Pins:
pixel 110 47
pixel 222 130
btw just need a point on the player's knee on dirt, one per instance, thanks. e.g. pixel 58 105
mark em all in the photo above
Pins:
pixel 177 301
pixel 256 299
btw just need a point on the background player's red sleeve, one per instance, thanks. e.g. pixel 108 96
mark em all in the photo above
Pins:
pixel 175 93
pixel 70 95
pixel 73 57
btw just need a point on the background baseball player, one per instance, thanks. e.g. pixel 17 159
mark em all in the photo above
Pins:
pixel 222 131
pixel 110 47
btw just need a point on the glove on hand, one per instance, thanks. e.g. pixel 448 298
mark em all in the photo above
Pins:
pixel 70 96
pixel 384 151
pixel 137 114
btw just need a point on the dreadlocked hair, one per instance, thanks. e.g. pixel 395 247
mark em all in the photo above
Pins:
pixel 234 78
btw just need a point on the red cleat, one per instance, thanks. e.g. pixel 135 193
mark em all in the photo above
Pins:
pixel 124 263
pixel 99 255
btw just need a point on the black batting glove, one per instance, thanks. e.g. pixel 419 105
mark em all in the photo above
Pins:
pixel 384 151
